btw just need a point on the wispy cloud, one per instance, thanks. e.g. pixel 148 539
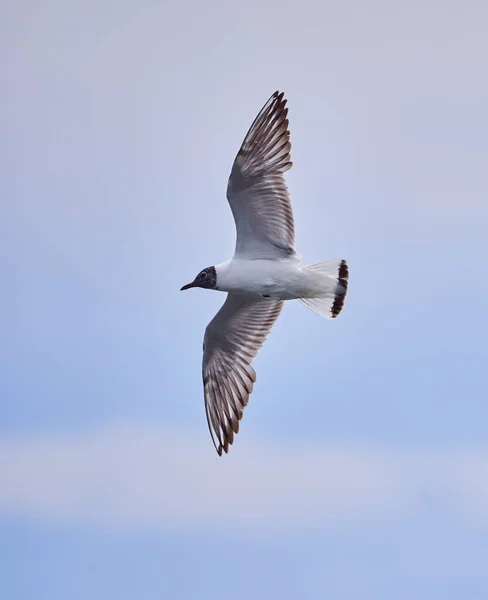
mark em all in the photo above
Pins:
pixel 132 476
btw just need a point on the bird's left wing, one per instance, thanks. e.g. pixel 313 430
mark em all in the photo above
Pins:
pixel 232 340
pixel 257 193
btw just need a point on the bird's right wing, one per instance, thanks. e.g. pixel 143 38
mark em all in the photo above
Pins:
pixel 257 192
pixel 232 340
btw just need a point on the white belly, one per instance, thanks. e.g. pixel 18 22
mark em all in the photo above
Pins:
pixel 285 279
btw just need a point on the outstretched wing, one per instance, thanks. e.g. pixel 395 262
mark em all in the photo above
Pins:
pixel 257 192
pixel 232 340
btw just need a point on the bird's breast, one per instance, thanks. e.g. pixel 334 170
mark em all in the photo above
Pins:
pixel 276 279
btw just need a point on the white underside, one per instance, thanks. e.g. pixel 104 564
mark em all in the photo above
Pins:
pixel 283 279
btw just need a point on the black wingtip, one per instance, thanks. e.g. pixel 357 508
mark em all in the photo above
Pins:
pixel 278 97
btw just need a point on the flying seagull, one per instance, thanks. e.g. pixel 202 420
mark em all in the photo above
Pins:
pixel 265 271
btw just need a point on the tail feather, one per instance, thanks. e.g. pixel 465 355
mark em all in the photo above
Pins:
pixel 330 305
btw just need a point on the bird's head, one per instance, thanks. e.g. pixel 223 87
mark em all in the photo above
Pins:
pixel 205 279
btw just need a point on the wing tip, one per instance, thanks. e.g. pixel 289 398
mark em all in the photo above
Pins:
pixel 277 98
pixel 221 447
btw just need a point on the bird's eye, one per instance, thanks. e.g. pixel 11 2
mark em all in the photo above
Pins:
pixel 203 275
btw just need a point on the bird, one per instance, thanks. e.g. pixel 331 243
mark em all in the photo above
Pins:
pixel 265 271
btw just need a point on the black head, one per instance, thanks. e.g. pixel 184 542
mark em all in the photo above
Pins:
pixel 205 279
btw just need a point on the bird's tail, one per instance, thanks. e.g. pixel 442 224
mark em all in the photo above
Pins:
pixel 330 305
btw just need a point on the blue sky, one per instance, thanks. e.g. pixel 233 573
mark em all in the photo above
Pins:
pixel 361 467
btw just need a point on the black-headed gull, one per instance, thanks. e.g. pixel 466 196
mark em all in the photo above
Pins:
pixel 264 271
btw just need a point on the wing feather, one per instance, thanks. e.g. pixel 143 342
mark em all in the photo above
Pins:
pixel 232 340
pixel 257 191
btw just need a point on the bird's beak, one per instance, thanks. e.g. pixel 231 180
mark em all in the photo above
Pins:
pixel 188 286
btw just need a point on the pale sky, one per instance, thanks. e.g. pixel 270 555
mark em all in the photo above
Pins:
pixel 361 466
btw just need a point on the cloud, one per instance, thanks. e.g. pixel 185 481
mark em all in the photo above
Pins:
pixel 129 476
